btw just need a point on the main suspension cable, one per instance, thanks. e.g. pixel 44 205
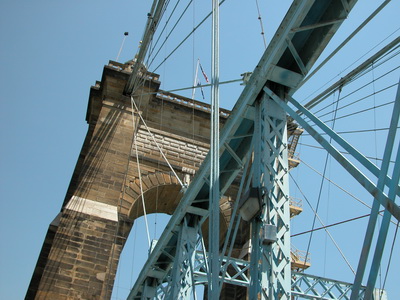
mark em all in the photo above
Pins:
pixel 184 40
pixel 169 34
pixel 165 26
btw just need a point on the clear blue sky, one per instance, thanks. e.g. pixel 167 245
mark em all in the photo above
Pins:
pixel 51 52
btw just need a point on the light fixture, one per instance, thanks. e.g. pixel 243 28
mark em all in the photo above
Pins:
pixel 250 204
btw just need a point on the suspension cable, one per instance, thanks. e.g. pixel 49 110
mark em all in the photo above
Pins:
pixel 356 131
pixel 334 224
pixel 333 53
pixel 358 89
pixel 339 187
pixel 355 73
pixel 154 140
pixel 342 152
pixel 184 40
pixel 157 11
pixel 169 34
pixel 261 24
pixel 165 26
pixel 334 183
pixel 390 260
pixel 360 111
pixel 361 99
pixel 326 230
pixel 140 178
pixel 192 87
pixel 322 184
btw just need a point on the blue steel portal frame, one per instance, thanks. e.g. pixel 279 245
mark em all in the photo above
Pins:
pixel 257 125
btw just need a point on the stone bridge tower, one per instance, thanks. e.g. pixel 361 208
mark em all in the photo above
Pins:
pixel 119 163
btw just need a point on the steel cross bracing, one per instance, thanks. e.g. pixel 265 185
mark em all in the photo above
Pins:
pixel 303 34
pixel 303 285
pixel 270 261
pixel 387 200
pixel 306 286
pixel 367 183
pixel 178 279
pixel 182 280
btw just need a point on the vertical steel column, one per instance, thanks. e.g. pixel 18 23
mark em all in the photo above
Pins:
pixel 182 284
pixel 213 286
pixel 255 285
pixel 271 280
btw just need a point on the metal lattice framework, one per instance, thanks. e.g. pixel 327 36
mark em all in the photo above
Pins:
pixel 314 287
pixel 270 279
pixel 257 126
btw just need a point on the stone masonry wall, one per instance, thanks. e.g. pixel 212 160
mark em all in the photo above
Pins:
pixel 81 252
pixel 79 265
pixel 181 152
pixel 81 259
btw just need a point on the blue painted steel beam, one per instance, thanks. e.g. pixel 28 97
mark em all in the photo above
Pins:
pixel 356 173
pixel 277 66
pixel 273 271
pixel 338 139
pixel 255 257
pixel 304 286
pixel 382 235
pixel 392 195
pixel 375 206
pixel 215 196
pixel 307 286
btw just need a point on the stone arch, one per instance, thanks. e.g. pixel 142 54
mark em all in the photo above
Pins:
pixel 162 193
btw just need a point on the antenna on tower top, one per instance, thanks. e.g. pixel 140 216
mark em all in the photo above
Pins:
pixel 122 45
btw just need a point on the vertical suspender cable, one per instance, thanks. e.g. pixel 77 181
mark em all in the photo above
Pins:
pixel 213 287
pixel 140 175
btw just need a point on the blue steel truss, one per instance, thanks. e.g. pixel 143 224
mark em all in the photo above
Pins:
pixel 304 286
pixel 302 36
